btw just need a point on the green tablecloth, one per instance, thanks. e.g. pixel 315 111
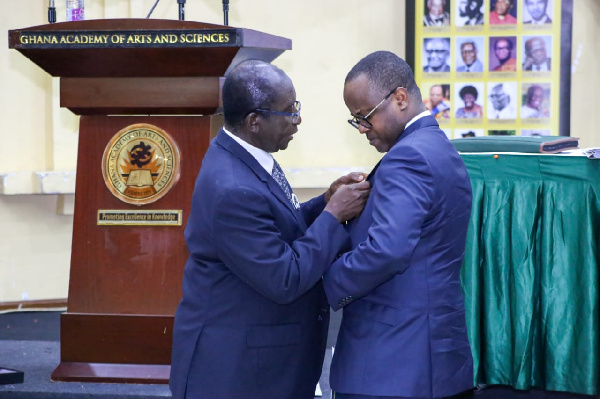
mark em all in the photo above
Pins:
pixel 531 271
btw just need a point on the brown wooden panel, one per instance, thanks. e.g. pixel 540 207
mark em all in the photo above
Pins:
pixel 192 95
pixel 108 372
pixel 127 339
pixel 130 269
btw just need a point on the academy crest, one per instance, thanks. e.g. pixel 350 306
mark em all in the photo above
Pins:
pixel 140 164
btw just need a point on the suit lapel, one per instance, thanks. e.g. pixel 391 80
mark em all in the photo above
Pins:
pixel 361 224
pixel 238 151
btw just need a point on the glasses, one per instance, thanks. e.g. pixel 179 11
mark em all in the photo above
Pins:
pixel 363 121
pixel 295 115
pixel 437 51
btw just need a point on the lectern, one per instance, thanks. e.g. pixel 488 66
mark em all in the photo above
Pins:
pixel 147 92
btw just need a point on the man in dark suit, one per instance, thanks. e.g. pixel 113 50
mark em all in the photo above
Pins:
pixel 403 331
pixel 253 319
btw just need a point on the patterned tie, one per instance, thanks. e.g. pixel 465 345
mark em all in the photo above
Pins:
pixel 279 177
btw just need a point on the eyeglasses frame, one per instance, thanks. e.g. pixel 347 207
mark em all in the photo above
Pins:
pixel 357 119
pixel 295 115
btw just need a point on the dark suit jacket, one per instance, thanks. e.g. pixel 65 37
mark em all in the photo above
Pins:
pixel 403 330
pixel 254 317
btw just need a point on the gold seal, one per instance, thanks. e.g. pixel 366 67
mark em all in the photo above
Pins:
pixel 140 164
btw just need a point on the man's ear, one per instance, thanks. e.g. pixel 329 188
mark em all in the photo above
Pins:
pixel 400 96
pixel 253 122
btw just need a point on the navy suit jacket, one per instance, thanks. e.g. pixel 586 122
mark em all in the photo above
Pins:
pixel 254 317
pixel 403 330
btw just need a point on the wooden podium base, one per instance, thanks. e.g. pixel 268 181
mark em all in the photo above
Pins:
pixel 115 348
pixel 112 372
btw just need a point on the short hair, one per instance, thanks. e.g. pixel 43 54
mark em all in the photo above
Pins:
pixel 507 40
pixel 479 3
pixel 529 43
pixel 247 87
pixel 545 2
pixel 386 71
pixel 468 90
pixel 472 43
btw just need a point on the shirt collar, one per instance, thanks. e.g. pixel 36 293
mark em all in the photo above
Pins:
pixel 262 157
pixel 416 118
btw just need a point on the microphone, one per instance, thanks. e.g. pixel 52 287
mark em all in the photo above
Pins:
pixel 152 9
pixel 226 12
pixel 51 12
pixel 181 9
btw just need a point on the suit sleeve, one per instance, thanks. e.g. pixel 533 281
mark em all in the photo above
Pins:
pixel 313 208
pixel 254 250
pixel 401 202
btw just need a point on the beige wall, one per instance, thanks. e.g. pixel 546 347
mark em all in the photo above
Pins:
pixel 329 37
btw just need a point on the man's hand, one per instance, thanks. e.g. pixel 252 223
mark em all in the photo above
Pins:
pixel 348 200
pixel 350 178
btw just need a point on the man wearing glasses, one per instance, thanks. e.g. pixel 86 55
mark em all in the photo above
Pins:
pixel 403 331
pixel 503 48
pixel 437 51
pixel 253 319
pixel 468 52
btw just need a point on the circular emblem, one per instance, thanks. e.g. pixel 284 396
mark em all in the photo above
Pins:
pixel 140 164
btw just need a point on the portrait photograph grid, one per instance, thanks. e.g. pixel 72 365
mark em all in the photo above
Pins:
pixel 489 67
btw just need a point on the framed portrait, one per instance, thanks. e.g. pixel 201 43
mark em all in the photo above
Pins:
pixel 436 97
pixel 537 12
pixel 468 100
pixel 536 53
pixel 436 55
pixel 436 13
pixel 469 13
pixel 503 54
pixel 469 54
pixel 502 100
pixel 503 12
pixel 535 100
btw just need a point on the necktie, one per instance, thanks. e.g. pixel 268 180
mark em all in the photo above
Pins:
pixel 279 177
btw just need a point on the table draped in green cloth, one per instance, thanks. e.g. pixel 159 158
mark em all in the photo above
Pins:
pixel 531 271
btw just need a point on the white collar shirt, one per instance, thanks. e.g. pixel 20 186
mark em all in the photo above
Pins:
pixel 262 157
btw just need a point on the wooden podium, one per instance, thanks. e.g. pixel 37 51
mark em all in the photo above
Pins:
pixel 129 78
